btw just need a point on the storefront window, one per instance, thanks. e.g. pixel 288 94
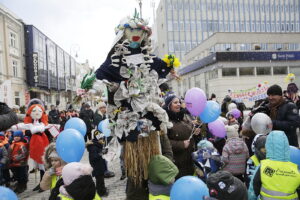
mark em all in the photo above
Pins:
pixel 263 70
pixel 229 72
pixel 280 70
pixel 247 71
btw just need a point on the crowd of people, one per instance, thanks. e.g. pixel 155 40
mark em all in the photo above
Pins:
pixel 242 161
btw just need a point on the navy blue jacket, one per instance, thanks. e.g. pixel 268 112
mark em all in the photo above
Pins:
pixel 95 157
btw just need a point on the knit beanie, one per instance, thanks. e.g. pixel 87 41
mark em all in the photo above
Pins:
pixel 18 134
pixel 232 131
pixel 205 144
pixel 101 104
pixel 274 90
pixel 2 136
pixel 292 88
pixel 74 170
pixel 168 101
pixel 259 144
pixel 223 185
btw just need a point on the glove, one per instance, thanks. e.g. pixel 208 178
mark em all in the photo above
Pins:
pixel 206 155
pixel 51 171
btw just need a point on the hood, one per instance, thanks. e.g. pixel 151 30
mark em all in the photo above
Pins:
pixel 236 145
pixel 162 171
pixel 277 146
pixel 50 151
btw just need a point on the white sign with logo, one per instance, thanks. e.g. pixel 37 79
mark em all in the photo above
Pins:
pixel 35 61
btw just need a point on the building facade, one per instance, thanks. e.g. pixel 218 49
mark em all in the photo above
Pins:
pixel 13 89
pixel 184 24
pixel 51 72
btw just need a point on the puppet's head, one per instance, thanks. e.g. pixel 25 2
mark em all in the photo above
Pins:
pixel 135 30
pixel 36 112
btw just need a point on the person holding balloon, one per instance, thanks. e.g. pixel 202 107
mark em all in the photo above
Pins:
pixel 181 136
pixel 54 165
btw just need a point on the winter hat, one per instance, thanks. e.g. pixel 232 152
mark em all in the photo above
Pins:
pixel 275 90
pixel 168 101
pixel 101 104
pixel 205 144
pixel 18 134
pixel 50 152
pixel 232 131
pixel 259 143
pixel 223 185
pixel 74 170
pixel 231 106
pixel 162 171
pixel 2 136
pixel 292 88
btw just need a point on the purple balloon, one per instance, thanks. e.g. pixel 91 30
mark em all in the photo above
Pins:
pixel 217 128
pixel 195 100
pixel 236 113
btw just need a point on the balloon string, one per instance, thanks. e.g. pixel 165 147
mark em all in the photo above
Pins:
pixel 193 131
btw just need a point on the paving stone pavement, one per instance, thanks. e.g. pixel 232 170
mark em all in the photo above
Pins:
pixel 115 185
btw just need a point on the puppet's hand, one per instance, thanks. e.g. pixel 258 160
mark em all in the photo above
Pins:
pixel 37 128
pixel 88 81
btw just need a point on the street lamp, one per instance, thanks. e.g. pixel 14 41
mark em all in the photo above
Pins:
pixel 140 4
pixel 76 48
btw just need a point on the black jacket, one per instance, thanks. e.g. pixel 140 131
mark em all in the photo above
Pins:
pixel 287 120
pixel 88 117
pixel 95 157
pixel 54 117
pixel 98 118
pixel 7 117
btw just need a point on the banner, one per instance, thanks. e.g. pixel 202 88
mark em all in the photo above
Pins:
pixel 252 94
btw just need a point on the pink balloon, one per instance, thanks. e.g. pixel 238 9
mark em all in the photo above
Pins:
pixel 236 113
pixel 217 128
pixel 195 100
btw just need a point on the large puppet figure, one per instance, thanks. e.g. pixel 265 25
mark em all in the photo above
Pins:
pixel 35 123
pixel 133 76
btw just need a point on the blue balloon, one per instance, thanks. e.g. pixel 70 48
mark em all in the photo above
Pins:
pixel 77 124
pixel 70 145
pixel 104 127
pixel 295 155
pixel 211 112
pixel 189 188
pixel 7 194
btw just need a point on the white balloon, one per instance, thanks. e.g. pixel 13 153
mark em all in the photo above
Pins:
pixel 261 123
pixel 231 106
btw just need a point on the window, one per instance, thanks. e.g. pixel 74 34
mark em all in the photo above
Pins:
pixel 213 74
pixel 246 71
pixel 229 72
pixel 17 98
pixel 171 46
pixel 263 70
pixel 15 68
pixel 12 38
pixel 170 27
pixel 280 70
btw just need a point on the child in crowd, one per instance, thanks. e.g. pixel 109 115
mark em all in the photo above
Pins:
pixel 78 183
pixel 95 148
pixel 235 153
pixel 231 119
pixel 224 186
pixel 18 161
pixel 162 172
pixel 3 156
pixel 258 147
pixel 207 159
pixel 53 165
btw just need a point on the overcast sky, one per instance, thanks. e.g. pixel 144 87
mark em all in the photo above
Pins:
pixel 88 24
